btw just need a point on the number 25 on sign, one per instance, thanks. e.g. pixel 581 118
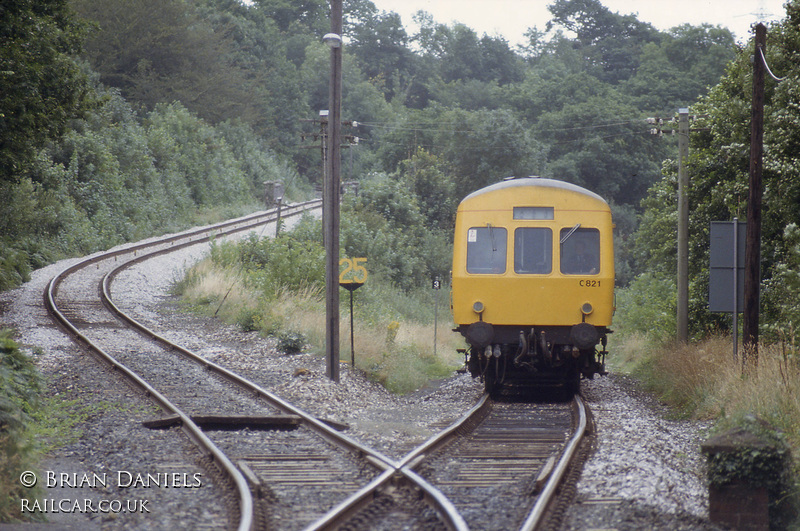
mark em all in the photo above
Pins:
pixel 354 271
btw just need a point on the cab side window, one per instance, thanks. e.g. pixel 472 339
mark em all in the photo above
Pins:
pixel 580 251
pixel 533 250
pixel 486 250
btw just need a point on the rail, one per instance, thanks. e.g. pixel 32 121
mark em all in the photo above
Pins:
pixel 537 514
pixel 391 469
pixel 194 432
pixel 450 516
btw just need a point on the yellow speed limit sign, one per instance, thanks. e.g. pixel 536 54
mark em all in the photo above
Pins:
pixel 354 271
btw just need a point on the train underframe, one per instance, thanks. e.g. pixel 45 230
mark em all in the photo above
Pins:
pixel 534 358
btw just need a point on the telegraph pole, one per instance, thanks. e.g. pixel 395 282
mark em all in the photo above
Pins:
pixel 752 254
pixel 330 200
pixel 683 226
pixel 682 276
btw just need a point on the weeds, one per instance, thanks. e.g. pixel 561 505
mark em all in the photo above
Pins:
pixel 20 387
pixel 703 381
pixel 391 349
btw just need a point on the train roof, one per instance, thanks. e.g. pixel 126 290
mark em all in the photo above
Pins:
pixel 534 182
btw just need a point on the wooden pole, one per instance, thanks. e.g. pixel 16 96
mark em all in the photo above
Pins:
pixel 735 290
pixel 752 255
pixel 683 227
pixel 331 200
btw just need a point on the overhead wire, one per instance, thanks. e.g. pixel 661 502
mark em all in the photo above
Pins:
pixel 769 71
pixel 426 128
pixel 429 146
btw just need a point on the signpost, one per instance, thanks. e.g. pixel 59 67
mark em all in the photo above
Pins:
pixel 351 278
pixel 726 268
pixel 437 285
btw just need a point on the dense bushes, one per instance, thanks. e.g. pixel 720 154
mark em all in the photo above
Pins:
pixel 402 223
pixel 290 261
pixel 14 267
pixel 20 386
pixel 275 286
pixel 647 306
pixel 115 178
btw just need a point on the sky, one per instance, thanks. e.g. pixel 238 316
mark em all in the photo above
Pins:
pixel 511 18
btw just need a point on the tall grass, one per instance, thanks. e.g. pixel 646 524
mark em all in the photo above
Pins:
pixel 703 380
pixel 393 332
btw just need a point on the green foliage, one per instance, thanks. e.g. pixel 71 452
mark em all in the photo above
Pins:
pixel 385 225
pixel 258 162
pixel 719 168
pixel 612 42
pixel 198 153
pixel 486 146
pixel 780 292
pixel 157 51
pixel 407 368
pixel 43 88
pixel 113 179
pixel 14 267
pixel 275 264
pixel 380 44
pixel 647 306
pixel 20 386
pixel 609 163
pixel 695 54
pixel 249 319
pixel 465 56
pixel 760 467
pixel 266 42
pixel 477 147
pixel 291 342
pixel 302 15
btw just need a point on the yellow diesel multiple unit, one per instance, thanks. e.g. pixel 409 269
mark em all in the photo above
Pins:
pixel 533 282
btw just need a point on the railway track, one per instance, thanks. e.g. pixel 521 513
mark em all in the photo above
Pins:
pixel 301 455
pixel 301 458
pixel 498 467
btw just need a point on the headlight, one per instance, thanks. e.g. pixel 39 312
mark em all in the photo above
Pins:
pixel 586 309
pixel 478 307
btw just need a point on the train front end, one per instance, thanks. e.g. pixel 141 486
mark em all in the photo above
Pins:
pixel 533 282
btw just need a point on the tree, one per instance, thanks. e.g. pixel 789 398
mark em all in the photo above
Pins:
pixel 380 43
pixel 432 36
pixel 270 58
pixel 385 224
pixel 719 167
pixel 500 63
pixel 672 73
pixel 485 146
pixel 42 87
pixel 611 42
pixel 161 51
pixel 310 15
pixel 474 148
pixel 434 190
pixel 464 56
pixel 601 143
